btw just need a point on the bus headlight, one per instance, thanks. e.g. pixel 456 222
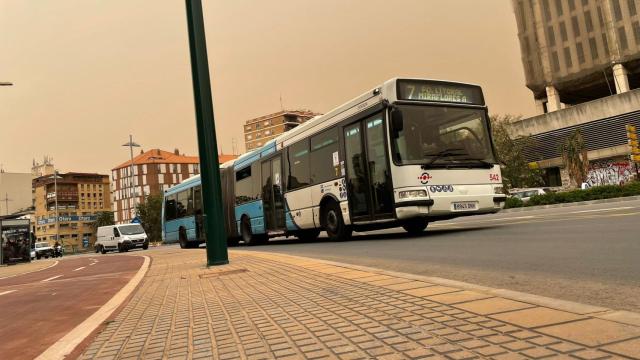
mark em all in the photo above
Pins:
pixel 498 190
pixel 412 194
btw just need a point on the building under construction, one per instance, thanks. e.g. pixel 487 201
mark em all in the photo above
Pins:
pixel 581 60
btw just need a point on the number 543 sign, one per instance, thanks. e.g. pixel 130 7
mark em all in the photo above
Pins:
pixel 494 177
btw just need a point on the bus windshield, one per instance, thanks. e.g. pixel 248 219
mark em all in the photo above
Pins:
pixel 442 137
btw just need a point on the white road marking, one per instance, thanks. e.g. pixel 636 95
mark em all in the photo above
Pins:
pixel 7 292
pixel 51 278
pixel 80 268
pixel 598 210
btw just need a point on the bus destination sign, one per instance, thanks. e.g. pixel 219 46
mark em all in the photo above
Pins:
pixel 436 91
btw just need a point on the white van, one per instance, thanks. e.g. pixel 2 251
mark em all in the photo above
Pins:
pixel 121 237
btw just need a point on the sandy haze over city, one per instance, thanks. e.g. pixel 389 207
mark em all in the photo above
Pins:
pixel 89 72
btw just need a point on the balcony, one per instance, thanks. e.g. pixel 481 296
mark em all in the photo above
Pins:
pixel 63 196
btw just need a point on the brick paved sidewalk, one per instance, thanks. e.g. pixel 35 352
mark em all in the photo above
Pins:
pixel 265 306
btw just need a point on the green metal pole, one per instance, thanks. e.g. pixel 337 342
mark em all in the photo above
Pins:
pixel 216 237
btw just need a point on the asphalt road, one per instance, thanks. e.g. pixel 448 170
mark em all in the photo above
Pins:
pixel 588 254
pixel 38 308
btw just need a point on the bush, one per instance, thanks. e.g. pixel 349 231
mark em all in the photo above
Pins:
pixel 513 202
pixel 594 193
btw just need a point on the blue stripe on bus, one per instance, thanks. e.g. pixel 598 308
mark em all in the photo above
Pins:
pixel 290 223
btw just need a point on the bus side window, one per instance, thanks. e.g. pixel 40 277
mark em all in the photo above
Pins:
pixel 244 186
pixel 181 204
pixel 197 200
pixel 297 165
pixel 324 152
pixel 170 207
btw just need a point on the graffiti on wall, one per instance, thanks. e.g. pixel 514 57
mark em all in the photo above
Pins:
pixel 610 172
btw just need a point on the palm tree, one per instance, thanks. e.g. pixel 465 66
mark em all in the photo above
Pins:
pixel 574 158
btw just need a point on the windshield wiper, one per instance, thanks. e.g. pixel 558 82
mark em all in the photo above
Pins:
pixel 443 153
pixel 481 161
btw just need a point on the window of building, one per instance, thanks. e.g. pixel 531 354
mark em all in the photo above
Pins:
pixel 585 3
pixel 600 17
pixel 575 26
pixel 588 21
pixel 563 31
pixel 622 37
pixel 572 5
pixel 580 52
pixel 636 31
pixel 546 9
pixel 567 58
pixel 632 7
pixel 605 44
pixel 324 153
pixel 175 168
pixel 267 123
pixel 555 62
pixel 551 36
pixel 617 10
pixel 249 137
pixel 297 165
pixel 160 178
pixel 267 132
pixel 257 126
pixel 559 9
pixel 196 168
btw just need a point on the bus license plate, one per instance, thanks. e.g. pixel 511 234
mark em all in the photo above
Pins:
pixel 465 206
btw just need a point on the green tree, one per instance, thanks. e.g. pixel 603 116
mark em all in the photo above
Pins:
pixel 574 157
pixel 150 214
pixel 103 218
pixel 516 172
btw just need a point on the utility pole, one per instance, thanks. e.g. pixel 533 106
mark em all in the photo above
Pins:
pixel 216 237
pixel 6 203
pixel 55 190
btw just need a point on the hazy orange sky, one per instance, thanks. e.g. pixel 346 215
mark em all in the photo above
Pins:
pixel 89 72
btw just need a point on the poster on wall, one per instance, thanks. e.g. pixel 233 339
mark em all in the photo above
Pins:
pixel 15 241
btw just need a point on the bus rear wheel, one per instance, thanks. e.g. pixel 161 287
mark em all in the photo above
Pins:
pixel 415 226
pixel 334 223
pixel 182 238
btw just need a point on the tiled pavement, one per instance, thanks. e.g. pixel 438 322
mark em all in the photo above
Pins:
pixel 265 306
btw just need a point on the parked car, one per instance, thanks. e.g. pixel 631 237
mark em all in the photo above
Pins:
pixel 123 237
pixel 33 254
pixel 526 194
pixel 43 249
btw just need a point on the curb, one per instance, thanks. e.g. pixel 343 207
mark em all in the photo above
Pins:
pixel 619 316
pixel 30 272
pixel 64 346
pixel 580 203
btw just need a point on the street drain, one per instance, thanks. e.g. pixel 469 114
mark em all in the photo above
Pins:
pixel 222 273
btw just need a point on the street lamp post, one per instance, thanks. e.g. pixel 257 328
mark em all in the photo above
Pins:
pixel 55 190
pixel 131 145
pixel 216 237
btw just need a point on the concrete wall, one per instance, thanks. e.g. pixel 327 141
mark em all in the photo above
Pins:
pixel 17 186
pixel 579 114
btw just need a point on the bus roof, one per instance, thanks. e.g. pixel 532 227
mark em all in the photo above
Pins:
pixel 190 182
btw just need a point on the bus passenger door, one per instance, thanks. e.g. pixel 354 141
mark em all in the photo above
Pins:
pixel 272 195
pixel 367 169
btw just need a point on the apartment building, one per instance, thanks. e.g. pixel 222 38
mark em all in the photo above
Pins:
pixel 262 129
pixel 80 197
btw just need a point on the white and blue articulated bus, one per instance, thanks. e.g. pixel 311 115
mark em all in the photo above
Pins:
pixel 406 153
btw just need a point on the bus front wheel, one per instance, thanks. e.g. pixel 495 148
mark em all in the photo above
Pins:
pixel 415 226
pixel 334 223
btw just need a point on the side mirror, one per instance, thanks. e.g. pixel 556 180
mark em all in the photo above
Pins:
pixel 397 122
